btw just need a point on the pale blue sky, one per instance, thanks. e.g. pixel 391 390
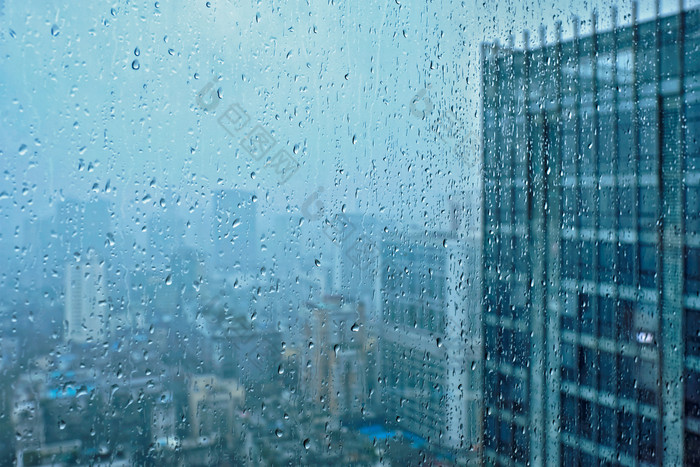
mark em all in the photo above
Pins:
pixel 332 81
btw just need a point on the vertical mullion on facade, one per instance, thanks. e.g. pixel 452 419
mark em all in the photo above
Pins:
pixel 554 242
pixel 489 224
pixel 577 185
pixel 672 155
pixel 636 155
pixel 615 202
pixel 538 169
pixel 595 292
pixel 534 377
pixel 659 213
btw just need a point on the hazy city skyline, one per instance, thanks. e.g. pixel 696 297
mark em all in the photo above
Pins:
pixel 382 234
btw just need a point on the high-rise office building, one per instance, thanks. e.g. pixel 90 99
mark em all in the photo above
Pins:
pixel 82 226
pixel 233 231
pixel 430 345
pixel 86 300
pixel 591 247
pixel 355 262
pixel 166 235
pixel 51 242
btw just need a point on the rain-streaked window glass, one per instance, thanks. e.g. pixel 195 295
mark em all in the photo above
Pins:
pixel 380 233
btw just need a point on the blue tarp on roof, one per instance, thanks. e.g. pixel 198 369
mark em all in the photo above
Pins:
pixel 378 432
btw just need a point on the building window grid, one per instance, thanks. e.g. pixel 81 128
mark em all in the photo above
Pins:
pixel 640 266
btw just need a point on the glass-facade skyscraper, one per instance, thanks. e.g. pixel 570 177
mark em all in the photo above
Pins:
pixel 592 247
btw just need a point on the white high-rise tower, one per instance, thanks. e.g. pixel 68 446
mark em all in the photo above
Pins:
pixel 86 300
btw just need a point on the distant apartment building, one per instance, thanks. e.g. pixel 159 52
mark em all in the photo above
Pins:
pixel 54 420
pixel 334 367
pixel 212 403
pixel 430 345
pixel 591 249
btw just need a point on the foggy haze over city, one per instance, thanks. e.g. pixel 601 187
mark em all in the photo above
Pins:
pixel 336 233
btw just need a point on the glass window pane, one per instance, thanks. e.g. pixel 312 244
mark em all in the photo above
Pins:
pixel 367 233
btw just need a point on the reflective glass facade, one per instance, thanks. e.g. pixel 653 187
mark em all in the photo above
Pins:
pixel 591 178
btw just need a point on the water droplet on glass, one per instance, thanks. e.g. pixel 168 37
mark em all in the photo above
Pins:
pixel 54 31
pixel 135 65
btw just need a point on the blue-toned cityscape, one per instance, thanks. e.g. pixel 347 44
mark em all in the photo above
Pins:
pixel 193 285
